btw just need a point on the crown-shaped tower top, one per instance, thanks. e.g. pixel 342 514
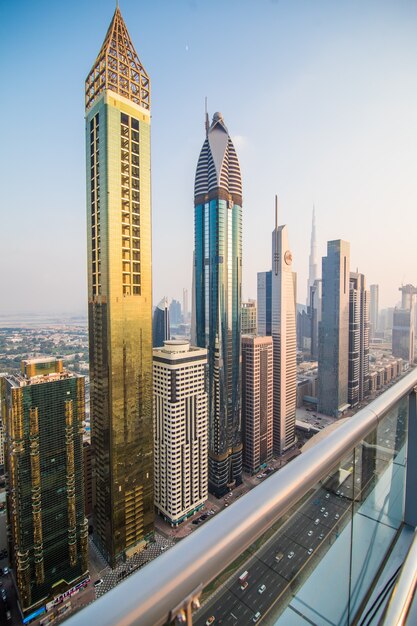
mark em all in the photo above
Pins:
pixel 117 67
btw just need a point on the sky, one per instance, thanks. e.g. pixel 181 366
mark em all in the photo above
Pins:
pixel 320 99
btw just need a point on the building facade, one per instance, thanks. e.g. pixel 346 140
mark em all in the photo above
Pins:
pixel 334 330
pixel 374 309
pixel 358 384
pixel 117 92
pixel 249 317
pixel 403 334
pixel 160 326
pixel 43 411
pixel 283 330
pixel 180 430
pixel 315 318
pixel 217 282
pixel 257 401
pixel 264 307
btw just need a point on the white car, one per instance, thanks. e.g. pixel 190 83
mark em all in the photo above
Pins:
pixel 310 551
pixel 310 532
pixel 261 588
pixel 290 554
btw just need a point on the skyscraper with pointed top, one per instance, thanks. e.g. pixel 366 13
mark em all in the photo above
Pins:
pixel 283 330
pixel 313 266
pixel 217 280
pixel 117 100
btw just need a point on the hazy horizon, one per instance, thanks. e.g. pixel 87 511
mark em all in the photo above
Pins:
pixel 320 101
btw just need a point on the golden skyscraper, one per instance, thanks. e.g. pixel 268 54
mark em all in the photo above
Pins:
pixel 117 98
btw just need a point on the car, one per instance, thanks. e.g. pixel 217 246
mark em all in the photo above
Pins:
pixel 278 556
pixel 8 616
pixel 256 617
pixel 322 509
pixel 337 516
pixel 327 496
pixel 5 571
pixel 98 582
pixel 261 588
pixel 290 554
pixel 317 522
pixel 259 476
pixel 321 536
pixel 244 585
pixel 163 548
pixel 195 522
pixel 210 620
pixel 310 532
pixel 3 594
pixel 326 514
pixel 310 551
pixel 226 504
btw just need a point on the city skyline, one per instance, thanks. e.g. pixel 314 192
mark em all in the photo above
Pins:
pixel 340 112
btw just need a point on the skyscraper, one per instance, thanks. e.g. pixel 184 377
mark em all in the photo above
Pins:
pixel 334 330
pixel 180 430
pixel 283 307
pixel 404 324
pixel 249 317
pixel 374 309
pixel 358 384
pixel 315 317
pixel 175 312
pixel 43 410
pixel 313 272
pixel 160 326
pixel 117 98
pixel 185 306
pixel 257 401
pixel 217 280
pixel 264 295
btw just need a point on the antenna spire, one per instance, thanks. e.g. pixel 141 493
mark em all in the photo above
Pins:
pixel 206 117
pixel 276 212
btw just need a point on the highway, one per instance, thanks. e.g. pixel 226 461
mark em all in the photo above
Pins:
pixel 307 534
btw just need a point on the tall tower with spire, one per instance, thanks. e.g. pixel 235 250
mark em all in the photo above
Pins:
pixel 313 269
pixel 117 100
pixel 217 283
pixel 284 339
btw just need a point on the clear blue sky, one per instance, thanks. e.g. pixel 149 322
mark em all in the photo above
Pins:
pixel 320 97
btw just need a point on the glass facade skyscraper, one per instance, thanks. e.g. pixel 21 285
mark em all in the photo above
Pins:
pixel 217 284
pixel 117 93
pixel 43 410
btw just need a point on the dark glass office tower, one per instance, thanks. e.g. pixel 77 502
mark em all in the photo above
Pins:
pixel 160 326
pixel 117 93
pixel 43 411
pixel 217 283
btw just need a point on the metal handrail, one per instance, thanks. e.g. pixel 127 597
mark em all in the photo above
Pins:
pixel 149 597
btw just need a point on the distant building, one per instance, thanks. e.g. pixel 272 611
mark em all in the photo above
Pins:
pixel 313 272
pixel 358 384
pixel 283 307
pixel 175 314
pixel 257 401
pixel 334 330
pixel 249 317
pixel 403 329
pixel 180 430
pixel 185 313
pixel 314 312
pixel 403 334
pixel 264 298
pixel 374 309
pixel 160 326
pixel 44 412
pixel 303 328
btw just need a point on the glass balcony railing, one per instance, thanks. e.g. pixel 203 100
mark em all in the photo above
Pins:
pixel 315 543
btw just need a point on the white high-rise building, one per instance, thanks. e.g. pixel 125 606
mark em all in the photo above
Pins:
pixel 283 305
pixel 180 430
